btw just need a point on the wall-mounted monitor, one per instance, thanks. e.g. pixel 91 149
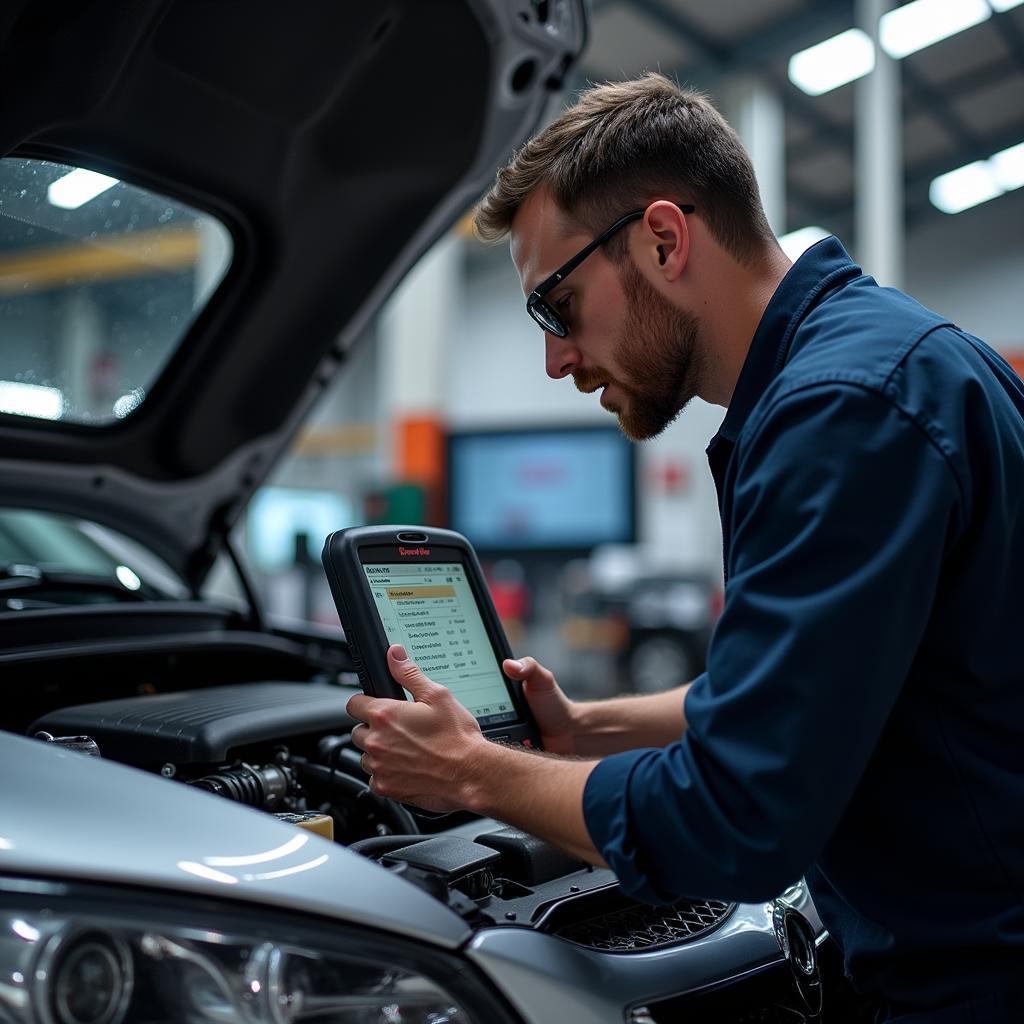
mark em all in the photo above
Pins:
pixel 542 490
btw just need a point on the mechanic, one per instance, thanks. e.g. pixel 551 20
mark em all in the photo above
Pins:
pixel 861 719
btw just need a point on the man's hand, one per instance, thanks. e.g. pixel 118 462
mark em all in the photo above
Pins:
pixel 602 727
pixel 432 753
pixel 553 711
pixel 421 753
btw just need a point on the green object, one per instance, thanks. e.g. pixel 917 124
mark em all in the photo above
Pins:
pixel 396 503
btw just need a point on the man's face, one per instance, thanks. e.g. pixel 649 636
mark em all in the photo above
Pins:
pixel 625 338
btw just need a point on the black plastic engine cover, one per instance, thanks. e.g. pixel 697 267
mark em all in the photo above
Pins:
pixel 201 726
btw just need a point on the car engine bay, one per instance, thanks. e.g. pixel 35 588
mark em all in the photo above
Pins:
pixel 284 747
pixel 258 718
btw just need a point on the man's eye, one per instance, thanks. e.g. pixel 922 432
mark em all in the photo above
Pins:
pixel 562 304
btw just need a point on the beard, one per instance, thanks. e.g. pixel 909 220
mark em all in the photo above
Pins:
pixel 660 359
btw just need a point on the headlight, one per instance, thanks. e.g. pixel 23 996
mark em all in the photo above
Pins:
pixel 90 955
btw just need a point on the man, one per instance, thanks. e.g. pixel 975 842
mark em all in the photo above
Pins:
pixel 861 720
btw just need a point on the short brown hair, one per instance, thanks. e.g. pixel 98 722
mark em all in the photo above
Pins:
pixel 623 145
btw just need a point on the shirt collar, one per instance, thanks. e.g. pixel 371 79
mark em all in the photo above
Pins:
pixel 822 266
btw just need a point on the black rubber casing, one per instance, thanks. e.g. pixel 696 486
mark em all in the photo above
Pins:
pixel 346 551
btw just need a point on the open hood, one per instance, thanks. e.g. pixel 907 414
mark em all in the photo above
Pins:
pixel 336 141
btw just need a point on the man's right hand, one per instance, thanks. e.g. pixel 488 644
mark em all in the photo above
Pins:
pixel 553 711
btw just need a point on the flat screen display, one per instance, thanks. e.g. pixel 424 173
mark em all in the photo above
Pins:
pixel 567 490
pixel 430 609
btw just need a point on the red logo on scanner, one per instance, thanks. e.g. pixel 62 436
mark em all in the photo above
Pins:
pixel 424 552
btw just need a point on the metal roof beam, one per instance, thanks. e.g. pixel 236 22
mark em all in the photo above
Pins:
pixel 969 81
pixel 781 39
pixel 685 29
pixel 932 98
pixel 1012 36
pixel 917 179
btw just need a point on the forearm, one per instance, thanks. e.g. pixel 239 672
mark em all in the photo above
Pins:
pixel 625 723
pixel 538 793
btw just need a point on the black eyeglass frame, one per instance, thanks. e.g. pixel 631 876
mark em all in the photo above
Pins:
pixel 543 312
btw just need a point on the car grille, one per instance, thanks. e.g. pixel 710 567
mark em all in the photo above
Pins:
pixel 642 927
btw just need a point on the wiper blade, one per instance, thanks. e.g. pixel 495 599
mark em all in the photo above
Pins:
pixel 18 574
pixel 18 577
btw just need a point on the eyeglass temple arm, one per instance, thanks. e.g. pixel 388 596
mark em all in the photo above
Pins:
pixel 549 282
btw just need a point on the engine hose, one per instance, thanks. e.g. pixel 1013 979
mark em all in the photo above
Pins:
pixel 391 813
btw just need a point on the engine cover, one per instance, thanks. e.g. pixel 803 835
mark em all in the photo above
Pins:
pixel 202 726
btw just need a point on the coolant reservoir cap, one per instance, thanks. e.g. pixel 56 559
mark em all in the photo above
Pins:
pixel 311 821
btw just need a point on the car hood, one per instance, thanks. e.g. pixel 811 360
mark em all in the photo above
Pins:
pixel 336 141
pixel 152 833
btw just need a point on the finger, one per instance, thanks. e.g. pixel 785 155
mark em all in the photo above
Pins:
pixel 358 705
pixel 408 674
pixel 529 671
pixel 364 764
pixel 359 735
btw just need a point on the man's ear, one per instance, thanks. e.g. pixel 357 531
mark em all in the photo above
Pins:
pixel 666 239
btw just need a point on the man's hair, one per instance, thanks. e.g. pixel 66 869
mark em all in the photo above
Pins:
pixel 623 145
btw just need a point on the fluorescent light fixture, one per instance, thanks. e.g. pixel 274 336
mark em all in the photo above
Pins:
pixel 797 242
pixel 919 24
pixel 851 54
pixel 963 188
pixel 1008 166
pixel 836 61
pixel 980 181
pixel 31 400
pixel 77 188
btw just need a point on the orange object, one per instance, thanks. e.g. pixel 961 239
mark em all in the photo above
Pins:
pixel 420 456
pixel 420 459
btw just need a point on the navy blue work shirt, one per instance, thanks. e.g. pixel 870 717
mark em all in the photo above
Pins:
pixel 861 720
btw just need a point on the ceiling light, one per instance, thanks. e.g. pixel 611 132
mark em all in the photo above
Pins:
pixel 1004 5
pixel 965 187
pixel 78 187
pixel 919 24
pixel 980 181
pixel 833 63
pixel 1008 166
pixel 797 242
pixel 31 400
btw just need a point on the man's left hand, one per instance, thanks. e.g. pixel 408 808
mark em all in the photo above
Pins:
pixel 420 753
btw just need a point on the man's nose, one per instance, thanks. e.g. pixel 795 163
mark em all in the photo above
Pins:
pixel 561 356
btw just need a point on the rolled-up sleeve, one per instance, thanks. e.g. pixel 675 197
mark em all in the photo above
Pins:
pixel 842 508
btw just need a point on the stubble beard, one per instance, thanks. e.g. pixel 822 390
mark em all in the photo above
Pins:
pixel 659 357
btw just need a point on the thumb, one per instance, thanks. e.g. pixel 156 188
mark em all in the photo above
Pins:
pixel 408 674
pixel 535 677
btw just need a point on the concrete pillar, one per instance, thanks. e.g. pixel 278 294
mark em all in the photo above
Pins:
pixel 85 378
pixel 878 149
pixel 756 112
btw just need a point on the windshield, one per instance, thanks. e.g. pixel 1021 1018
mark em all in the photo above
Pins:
pixel 66 560
pixel 99 283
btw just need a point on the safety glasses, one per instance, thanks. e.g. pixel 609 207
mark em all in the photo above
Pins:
pixel 541 310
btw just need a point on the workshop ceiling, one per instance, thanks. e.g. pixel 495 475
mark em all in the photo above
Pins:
pixel 963 97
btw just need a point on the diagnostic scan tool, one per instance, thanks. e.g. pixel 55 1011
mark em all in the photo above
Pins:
pixel 423 588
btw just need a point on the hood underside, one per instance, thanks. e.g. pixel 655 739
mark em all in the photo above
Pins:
pixel 335 141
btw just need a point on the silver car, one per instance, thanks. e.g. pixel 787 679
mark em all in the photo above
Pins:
pixel 185 833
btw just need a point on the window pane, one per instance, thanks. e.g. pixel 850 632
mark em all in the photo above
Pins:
pixel 99 282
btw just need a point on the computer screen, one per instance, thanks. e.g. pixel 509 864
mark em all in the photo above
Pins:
pixel 542 490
